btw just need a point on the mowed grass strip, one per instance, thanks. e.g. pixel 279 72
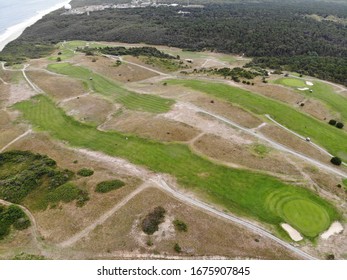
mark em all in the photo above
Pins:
pixel 322 92
pixel 240 191
pixel 110 89
pixel 332 139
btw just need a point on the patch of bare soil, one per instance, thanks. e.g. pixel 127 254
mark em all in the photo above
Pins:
pixel 89 108
pixel 19 92
pixel 327 182
pixel 224 109
pixel 68 218
pixel 289 140
pixel 206 235
pixel 59 87
pixel 108 67
pixel 221 149
pixel 153 127
pixel 188 114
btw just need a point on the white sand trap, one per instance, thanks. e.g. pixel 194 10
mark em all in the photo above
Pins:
pixel 309 83
pixel 335 228
pixel 303 88
pixel 293 233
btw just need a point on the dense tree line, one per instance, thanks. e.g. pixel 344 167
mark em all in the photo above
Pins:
pixel 135 51
pixel 265 29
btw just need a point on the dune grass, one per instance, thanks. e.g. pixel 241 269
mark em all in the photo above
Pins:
pixel 110 89
pixel 243 192
pixel 332 139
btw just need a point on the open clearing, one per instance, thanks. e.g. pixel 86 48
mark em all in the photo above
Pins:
pixel 152 127
pixel 206 236
pixel 237 190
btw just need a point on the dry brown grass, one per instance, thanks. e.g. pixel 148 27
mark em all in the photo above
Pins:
pixel 244 155
pixel 90 108
pixel 153 127
pixel 283 137
pixel 222 108
pixel 57 86
pixel 107 67
pixel 206 236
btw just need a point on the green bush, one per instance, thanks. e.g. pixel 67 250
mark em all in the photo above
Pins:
pixel 85 172
pixel 177 248
pixel 180 225
pixel 332 122
pixel 150 224
pixel 108 186
pixel 339 125
pixel 12 215
pixel 336 161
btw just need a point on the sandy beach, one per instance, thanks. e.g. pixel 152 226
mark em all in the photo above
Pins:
pixel 15 31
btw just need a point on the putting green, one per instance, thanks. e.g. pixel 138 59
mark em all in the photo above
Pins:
pixel 291 82
pixel 304 214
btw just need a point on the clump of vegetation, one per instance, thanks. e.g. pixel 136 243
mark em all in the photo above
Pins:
pixel 85 172
pixel 336 160
pixel 150 224
pixel 25 256
pixel 135 51
pixel 261 150
pixel 177 248
pixel 339 125
pixel 180 225
pixel 12 216
pixel 22 173
pixel 107 186
pixel 332 122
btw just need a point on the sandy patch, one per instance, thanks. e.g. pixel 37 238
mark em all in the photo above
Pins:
pixel 19 92
pixel 309 83
pixel 335 228
pixel 302 89
pixel 293 233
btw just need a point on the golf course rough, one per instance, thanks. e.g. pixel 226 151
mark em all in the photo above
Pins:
pixel 332 139
pixel 243 192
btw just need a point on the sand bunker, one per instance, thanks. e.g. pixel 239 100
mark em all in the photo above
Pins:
pixel 293 233
pixel 305 88
pixel 309 83
pixel 335 228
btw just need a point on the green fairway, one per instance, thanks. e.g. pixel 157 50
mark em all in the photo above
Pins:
pixel 110 89
pixel 325 93
pixel 243 192
pixel 331 138
pixel 292 82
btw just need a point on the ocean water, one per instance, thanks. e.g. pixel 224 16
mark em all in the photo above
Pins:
pixel 13 12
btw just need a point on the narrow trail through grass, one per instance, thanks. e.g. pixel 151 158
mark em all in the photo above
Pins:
pixel 110 89
pixel 331 138
pixel 242 192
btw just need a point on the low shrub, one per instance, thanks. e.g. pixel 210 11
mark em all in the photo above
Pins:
pixel 339 125
pixel 332 122
pixel 180 225
pixel 336 161
pixel 108 186
pixel 150 224
pixel 85 172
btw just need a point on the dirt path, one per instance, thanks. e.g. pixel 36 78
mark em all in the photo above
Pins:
pixel 16 139
pixel 103 218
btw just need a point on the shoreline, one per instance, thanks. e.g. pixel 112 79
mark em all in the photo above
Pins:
pixel 13 32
